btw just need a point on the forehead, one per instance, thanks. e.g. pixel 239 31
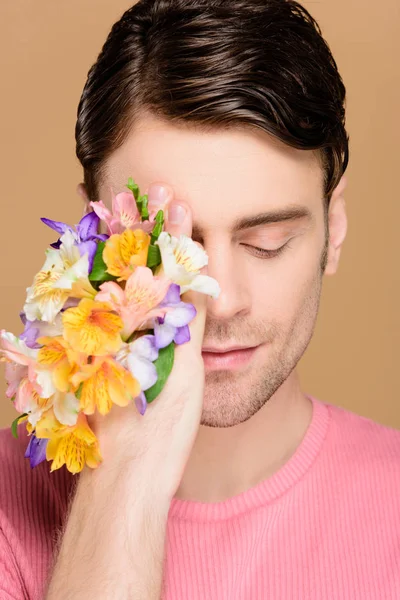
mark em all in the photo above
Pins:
pixel 224 175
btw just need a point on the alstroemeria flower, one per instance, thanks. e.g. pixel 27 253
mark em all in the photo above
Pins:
pixel 73 446
pixel 36 450
pixel 182 260
pixel 174 325
pixel 86 236
pixel 64 274
pixel 66 407
pixel 92 328
pixel 25 393
pixel 57 357
pixel 124 214
pixel 104 382
pixel 123 252
pixel 139 301
pixel 25 380
pixel 139 356
pixel 31 386
pixel 35 329
pixel 30 389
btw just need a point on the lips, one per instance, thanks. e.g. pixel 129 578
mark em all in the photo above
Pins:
pixel 230 358
pixel 224 350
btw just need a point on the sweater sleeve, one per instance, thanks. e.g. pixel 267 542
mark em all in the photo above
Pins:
pixel 11 584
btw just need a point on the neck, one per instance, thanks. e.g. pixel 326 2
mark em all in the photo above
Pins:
pixel 227 461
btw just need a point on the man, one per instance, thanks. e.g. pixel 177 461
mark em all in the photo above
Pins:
pixel 236 483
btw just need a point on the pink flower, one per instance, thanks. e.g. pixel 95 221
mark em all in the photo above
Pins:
pixel 30 387
pixel 124 214
pixel 139 301
pixel 16 351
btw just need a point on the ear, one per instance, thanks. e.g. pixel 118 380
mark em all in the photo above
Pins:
pixel 81 191
pixel 337 219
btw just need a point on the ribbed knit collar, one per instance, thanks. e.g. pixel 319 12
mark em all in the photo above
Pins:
pixel 269 489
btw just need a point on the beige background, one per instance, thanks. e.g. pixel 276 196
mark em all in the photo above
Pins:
pixel 46 49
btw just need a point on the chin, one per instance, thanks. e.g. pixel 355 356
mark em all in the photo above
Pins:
pixel 228 399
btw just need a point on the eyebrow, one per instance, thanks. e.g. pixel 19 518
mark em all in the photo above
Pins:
pixel 295 213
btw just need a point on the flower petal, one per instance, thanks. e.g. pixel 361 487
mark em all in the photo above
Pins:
pixel 30 334
pixel 182 335
pixel 173 296
pixel 87 226
pixel 89 247
pixel 141 403
pixel 164 334
pixel 79 270
pixel 44 380
pixel 66 408
pixel 58 226
pixel 203 284
pixel 145 347
pixel 180 314
pixel 36 450
pixel 143 370
pixel 101 210
pixel 125 209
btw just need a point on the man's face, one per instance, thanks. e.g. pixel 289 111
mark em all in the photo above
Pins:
pixel 267 302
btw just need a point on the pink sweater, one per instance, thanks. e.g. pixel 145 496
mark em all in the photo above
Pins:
pixel 326 526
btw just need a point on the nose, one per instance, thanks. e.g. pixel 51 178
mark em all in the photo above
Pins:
pixel 234 298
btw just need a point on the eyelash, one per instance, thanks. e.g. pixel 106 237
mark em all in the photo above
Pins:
pixel 269 253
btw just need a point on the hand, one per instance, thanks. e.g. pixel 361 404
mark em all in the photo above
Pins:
pixel 161 440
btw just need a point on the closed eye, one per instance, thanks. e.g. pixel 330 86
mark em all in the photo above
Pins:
pixel 263 253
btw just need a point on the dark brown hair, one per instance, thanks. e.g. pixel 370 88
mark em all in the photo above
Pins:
pixel 215 64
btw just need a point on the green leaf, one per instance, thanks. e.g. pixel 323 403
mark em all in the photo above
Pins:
pixel 164 364
pixel 99 270
pixel 133 187
pixel 14 424
pixel 153 256
pixel 144 208
pixel 78 392
pixel 158 227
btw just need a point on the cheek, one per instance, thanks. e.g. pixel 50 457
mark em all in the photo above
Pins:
pixel 284 285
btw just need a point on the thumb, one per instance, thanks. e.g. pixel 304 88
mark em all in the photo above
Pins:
pixel 196 326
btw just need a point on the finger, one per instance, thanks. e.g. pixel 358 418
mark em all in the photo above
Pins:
pixel 197 325
pixel 177 213
pixel 178 218
pixel 159 194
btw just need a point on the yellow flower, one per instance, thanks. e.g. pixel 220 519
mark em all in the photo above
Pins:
pixel 123 252
pixel 73 446
pixel 92 328
pixel 58 357
pixel 105 382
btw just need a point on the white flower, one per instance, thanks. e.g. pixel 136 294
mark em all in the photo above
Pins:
pixel 63 273
pixel 182 260
pixel 138 357
pixel 66 407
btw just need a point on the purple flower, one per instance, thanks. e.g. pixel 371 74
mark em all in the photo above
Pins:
pixel 141 403
pixel 174 326
pixel 35 329
pixel 138 357
pixel 36 450
pixel 30 333
pixel 86 234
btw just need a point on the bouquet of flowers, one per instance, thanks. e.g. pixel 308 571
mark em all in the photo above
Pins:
pixel 101 320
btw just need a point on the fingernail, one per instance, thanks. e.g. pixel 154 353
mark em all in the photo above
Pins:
pixel 176 214
pixel 157 194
